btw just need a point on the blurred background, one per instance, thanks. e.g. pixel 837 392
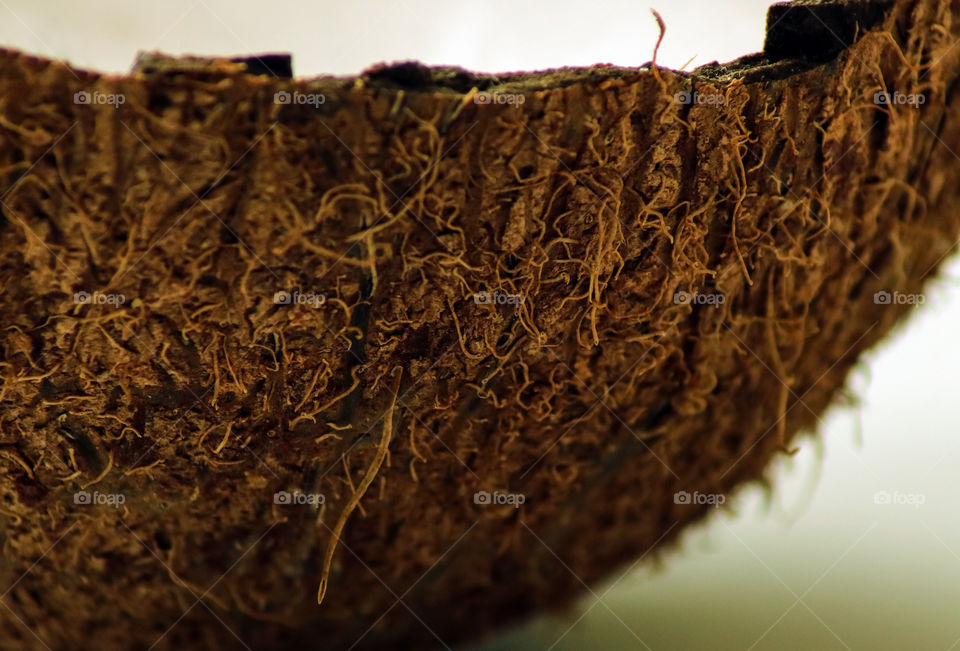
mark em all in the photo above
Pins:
pixel 858 544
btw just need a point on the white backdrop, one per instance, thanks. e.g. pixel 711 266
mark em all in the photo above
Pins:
pixel 822 566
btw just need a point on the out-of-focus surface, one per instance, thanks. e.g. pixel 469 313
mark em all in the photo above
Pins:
pixel 345 36
pixel 828 564
pixel 822 565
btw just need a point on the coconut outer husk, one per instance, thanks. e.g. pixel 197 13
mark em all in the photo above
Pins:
pixel 600 199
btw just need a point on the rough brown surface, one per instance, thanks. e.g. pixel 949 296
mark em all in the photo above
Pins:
pixel 600 199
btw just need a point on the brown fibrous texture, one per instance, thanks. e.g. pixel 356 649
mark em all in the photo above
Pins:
pixel 588 211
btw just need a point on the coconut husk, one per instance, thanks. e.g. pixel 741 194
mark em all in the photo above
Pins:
pixel 263 336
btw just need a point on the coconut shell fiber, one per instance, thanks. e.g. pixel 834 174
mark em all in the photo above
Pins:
pixel 390 361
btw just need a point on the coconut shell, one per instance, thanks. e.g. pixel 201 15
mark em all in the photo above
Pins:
pixel 445 346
